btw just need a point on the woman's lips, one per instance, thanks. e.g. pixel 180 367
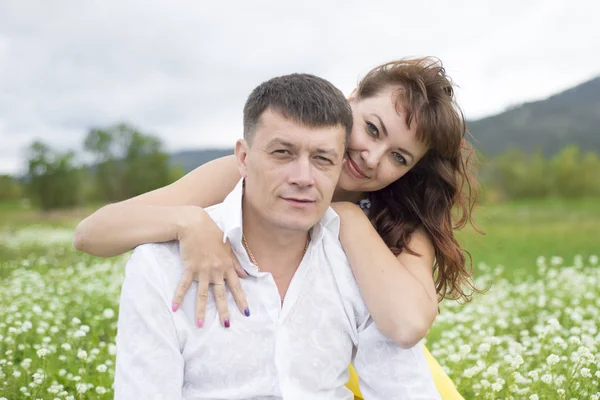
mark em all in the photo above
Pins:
pixel 354 169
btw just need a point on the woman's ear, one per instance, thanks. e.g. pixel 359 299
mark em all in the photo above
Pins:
pixel 352 97
pixel 241 154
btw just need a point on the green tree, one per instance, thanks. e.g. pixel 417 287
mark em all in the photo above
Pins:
pixel 127 162
pixel 10 188
pixel 591 173
pixel 53 180
pixel 567 170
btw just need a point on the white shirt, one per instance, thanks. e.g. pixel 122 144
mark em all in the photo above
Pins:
pixel 299 351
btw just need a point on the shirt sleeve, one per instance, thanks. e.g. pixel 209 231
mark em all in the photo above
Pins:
pixel 149 363
pixel 388 372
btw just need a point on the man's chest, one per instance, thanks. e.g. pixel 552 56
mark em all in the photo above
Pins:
pixel 308 342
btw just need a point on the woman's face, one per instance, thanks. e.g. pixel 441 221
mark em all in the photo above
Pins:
pixel 382 148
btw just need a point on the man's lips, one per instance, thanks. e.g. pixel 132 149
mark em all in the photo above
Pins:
pixel 354 169
pixel 299 201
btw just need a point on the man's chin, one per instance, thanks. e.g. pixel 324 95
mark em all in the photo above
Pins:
pixel 296 225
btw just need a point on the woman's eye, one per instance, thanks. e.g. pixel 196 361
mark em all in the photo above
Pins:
pixel 372 129
pixel 399 158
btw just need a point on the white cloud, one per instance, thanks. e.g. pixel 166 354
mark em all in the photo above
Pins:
pixel 183 69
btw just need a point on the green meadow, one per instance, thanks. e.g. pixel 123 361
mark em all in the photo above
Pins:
pixel 533 335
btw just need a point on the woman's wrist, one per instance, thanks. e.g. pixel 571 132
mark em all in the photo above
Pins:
pixel 186 218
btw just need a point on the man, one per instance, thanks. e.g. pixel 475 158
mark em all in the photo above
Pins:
pixel 308 320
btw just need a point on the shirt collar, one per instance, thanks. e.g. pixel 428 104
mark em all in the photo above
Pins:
pixel 231 217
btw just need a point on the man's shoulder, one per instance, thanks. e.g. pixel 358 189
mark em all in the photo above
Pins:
pixel 158 250
pixel 157 257
pixel 343 276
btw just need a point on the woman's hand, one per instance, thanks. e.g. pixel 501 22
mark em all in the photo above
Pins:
pixel 209 261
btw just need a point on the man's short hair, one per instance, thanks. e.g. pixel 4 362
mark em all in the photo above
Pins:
pixel 305 99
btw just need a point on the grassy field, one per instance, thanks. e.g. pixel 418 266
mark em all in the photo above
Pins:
pixel 534 335
pixel 517 233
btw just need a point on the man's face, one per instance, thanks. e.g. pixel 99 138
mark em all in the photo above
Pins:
pixel 290 170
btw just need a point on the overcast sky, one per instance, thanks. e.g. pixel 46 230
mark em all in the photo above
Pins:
pixel 183 69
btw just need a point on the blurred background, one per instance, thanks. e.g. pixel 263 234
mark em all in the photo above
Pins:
pixel 104 100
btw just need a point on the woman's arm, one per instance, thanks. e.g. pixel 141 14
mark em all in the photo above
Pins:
pixel 398 291
pixel 159 215
pixel 175 212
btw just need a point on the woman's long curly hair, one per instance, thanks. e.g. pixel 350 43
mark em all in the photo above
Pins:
pixel 438 193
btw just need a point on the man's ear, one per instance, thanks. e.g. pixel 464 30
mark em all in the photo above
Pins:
pixel 241 154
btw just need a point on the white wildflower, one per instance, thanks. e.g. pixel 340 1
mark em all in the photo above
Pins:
pixel 101 368
pixel 82 354
pixel 547 378
pixel 552 359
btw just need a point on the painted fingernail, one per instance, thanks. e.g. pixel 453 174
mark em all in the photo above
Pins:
pixel 175 307
pixel 200 323
pixel 226 323
pixel 247 312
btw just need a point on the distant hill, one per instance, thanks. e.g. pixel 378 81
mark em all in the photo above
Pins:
pixel 570 117
pixel 191 159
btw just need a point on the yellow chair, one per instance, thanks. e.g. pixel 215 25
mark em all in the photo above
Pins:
pixel 442 381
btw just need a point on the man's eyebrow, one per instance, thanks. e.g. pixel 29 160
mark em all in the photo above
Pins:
pixel 281 142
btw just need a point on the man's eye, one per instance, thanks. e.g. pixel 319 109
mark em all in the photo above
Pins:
pixel 399 158
pixel 282 152
pixel 372 129
pixel 324 159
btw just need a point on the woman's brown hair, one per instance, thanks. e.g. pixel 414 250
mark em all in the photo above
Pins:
pixel 439 192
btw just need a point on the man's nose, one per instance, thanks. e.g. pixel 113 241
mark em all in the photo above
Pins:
pixel 302 172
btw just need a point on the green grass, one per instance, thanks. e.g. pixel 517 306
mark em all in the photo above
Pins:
pixel 517 233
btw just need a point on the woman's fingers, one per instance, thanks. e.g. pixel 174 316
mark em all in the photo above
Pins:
pixel 201 298
pixel 220 294
pixel 182 288
pixel 235 287
pixel 239 270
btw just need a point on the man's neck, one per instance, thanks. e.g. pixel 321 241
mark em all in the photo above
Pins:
pixel 275 250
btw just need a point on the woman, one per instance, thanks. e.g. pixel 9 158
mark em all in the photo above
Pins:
pixel 407 166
